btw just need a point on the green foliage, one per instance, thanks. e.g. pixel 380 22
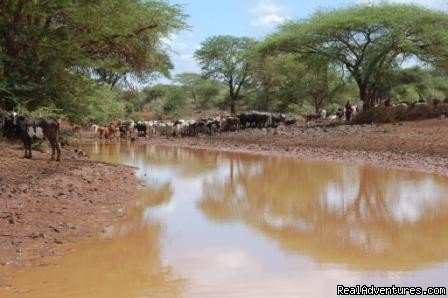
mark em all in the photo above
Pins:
pixel 167 100
pixel 292 83
pixel 366 40
pixel 413 84
pixel 224 58
pixel 175 102
pixel 204 92
pixel 52 51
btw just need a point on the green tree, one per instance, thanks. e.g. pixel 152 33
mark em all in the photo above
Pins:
pixel 291 83
pixel 276 83
pixel 203 92
pixel 412 84
pixel 367 40
pixel 47 47
pixel 225 58
pixel 167 100
pixel 190 81
pixel 175 102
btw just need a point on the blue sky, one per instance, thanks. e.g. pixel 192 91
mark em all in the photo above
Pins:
pixel 254 18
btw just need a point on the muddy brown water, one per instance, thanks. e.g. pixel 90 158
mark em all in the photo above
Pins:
pixel 213 224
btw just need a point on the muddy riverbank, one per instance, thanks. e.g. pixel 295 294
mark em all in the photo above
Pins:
pixel 420 146
pixel 45 204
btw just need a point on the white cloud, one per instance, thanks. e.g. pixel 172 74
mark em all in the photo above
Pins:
pixel 268 14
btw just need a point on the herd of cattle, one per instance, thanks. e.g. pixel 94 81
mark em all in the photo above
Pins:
pixel 189 128
pixel 26 129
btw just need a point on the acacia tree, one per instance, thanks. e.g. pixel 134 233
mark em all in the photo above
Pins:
pixel 224 58
pixel 190 81
pixel 47 45
pixel 367 40
pixel 203 92
pixel 286 82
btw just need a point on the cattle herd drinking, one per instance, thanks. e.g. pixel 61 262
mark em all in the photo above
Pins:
pixel 27 129
pixel 190 128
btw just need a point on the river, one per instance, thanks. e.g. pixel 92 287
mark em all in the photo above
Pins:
pixel 211 224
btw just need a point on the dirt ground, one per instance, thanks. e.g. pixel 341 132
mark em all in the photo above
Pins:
pixel 420 145
pixel 45 204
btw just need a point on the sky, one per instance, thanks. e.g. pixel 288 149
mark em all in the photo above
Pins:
pixel 252 18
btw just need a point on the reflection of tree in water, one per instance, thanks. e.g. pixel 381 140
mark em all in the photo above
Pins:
pixel 188 162
pixel 125 264
pixel 358 216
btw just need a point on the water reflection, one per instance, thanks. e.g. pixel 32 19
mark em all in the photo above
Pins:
pixel 233 225
pixel 126 263
pixel 356 216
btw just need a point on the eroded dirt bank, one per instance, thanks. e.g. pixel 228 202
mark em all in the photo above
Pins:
pixel 45 204
pixel 421 145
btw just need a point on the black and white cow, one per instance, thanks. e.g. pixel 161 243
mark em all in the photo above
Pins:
pixel 28 129
pixel 141 128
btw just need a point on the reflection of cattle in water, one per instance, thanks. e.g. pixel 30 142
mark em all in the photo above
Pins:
pixel 28 129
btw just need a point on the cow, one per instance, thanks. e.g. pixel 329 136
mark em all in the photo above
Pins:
pixel 229 123
pixel 27 129
pixel 323 114
pixel 310 117
pixel 108 132
pixel 141 128
pixel 290 121
pixel 94 128
pixel 340 113
pixel 253 119
pixel 214 125
pixel 277 118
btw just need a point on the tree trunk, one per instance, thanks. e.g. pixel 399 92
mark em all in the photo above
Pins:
pixel 366 102
pixel 317 103
pixel 232 106
pixel 367 96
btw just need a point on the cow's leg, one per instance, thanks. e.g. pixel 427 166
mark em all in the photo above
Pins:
pixel 25 146
pixel 53 148
pixel 58 149
pixel 29 149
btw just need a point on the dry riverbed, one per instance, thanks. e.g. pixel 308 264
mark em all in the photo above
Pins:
pixel 46 204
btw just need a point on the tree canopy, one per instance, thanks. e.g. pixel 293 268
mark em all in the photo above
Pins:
pixel 224 58
pixel 47 46
pixel 366 40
